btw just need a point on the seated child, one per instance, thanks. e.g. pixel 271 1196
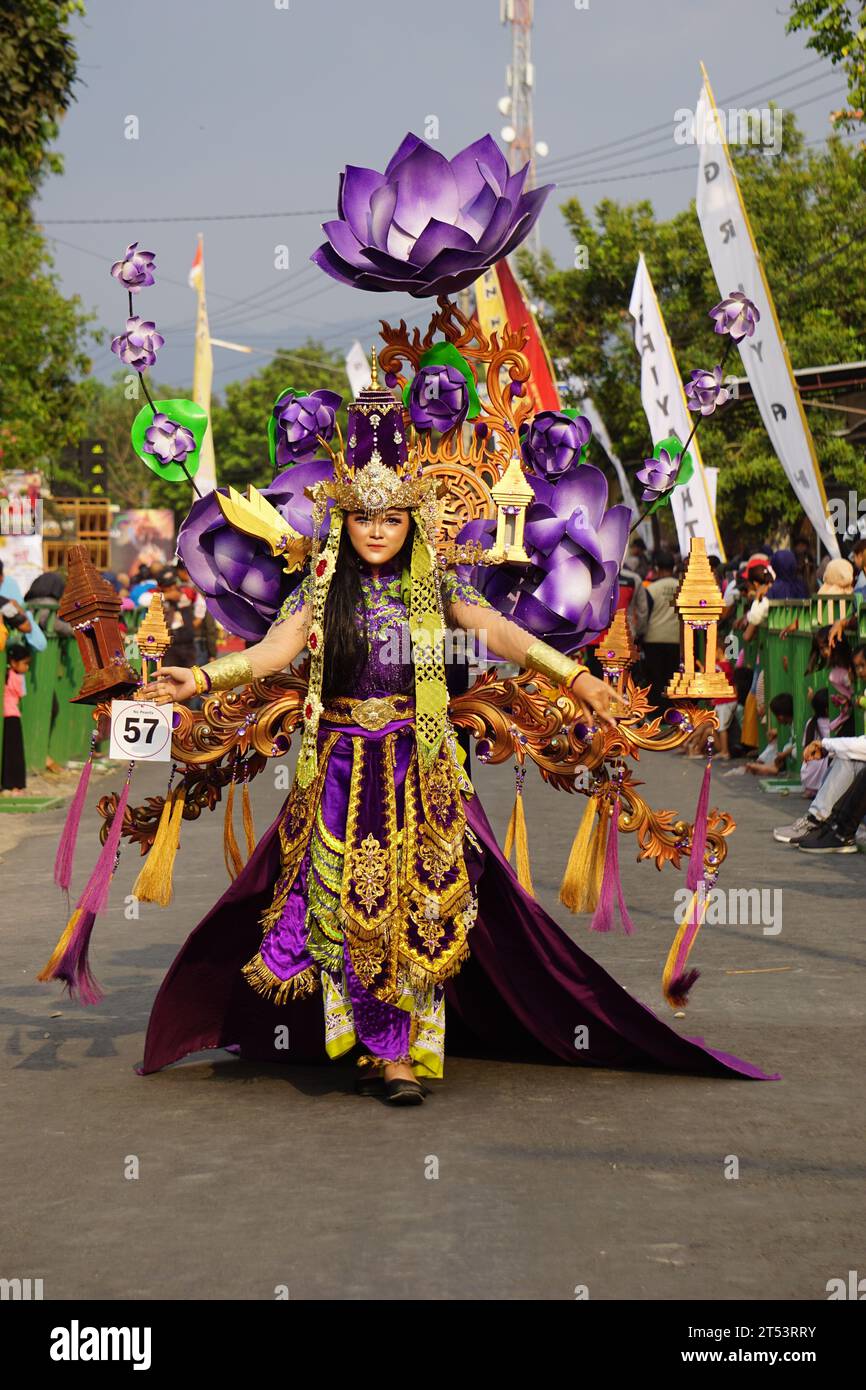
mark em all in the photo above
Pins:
pixel 772 761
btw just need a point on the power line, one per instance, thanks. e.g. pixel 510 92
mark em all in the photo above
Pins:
pixel 198 217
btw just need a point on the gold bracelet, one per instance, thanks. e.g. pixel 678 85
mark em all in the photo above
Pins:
pixel 228 671
pixel 201 680
pixel 547 661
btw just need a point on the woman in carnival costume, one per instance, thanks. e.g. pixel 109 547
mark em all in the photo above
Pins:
pixel 388 875
pixel 378 901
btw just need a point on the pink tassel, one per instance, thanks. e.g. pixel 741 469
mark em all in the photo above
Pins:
pixel 66 847
pixel 695 870
pixel 74 969
pixel 602 919
pixel 95 896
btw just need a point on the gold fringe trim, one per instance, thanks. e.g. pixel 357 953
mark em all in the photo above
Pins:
pixel 596 858
pixel 265 982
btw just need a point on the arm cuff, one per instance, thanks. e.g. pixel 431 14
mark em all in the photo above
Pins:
pixel 228 671
pixel 562 670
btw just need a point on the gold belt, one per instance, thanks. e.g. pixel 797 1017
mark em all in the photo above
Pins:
pixel 372 714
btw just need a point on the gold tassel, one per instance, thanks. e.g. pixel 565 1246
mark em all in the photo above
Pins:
pixel 155 880
pixel 47 971
pixel 595 872
pixel 575 880
pixel 247 810
pixel 516 838
pixel 231 852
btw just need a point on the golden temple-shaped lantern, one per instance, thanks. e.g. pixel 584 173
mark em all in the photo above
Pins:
pixel 92 608
pixel 512 495
pixel 616 651
pixel 700 604
pixel 153 638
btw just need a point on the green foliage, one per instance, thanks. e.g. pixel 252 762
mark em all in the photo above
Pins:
pixel 37 73
pixel 240 423
pixel 805 206
pixel 838 31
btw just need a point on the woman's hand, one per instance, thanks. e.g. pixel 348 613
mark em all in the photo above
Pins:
pixel 173 684
pixel 601 698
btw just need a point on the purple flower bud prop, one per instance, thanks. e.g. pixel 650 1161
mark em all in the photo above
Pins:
pixel 705 391
pixel 167 440
pixel 554 442
pixel 138 346
pixel 428 225
pixel 658 475
pixel 135 269
pixel 736 315
pixel 438 398
pixel 297 421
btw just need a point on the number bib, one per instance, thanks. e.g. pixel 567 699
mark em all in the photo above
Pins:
pixel 140 730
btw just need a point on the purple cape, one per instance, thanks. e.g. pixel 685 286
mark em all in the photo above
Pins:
pixel 522 994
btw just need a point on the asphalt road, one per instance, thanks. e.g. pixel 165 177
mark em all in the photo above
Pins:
pixel 513 1181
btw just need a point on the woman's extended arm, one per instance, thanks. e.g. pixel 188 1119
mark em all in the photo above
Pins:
pixel 506 639
pixel 283 641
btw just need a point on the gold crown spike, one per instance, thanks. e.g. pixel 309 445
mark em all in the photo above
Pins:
pixel 255 516
pixel 700 604
pixel 616 651
pixel 153 638
pixel 374 369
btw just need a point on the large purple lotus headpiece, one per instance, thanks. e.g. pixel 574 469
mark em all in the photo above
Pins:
pixel 428 225
pixel 243 584
pixel 575 543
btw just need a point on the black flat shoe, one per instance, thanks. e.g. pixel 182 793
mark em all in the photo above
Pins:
pixel 403 1092
pixel 369 1085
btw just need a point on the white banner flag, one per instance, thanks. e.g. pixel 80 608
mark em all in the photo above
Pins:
pixel 664 402
pixel 357 369
pixel 737 266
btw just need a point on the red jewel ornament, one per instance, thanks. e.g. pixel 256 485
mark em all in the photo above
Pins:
pixel 320 568
pixel 308 711
pixel 312 641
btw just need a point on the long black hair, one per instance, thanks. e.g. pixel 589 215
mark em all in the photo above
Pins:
pixel 346 647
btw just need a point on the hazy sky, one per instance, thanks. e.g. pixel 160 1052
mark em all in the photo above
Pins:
pixel 253 106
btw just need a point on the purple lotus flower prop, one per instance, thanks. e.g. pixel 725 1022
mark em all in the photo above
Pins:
pixel 705 391
pixel 428 225
pixel 138 346
pixel 243 584
pixel 135 270
pixel 299 421
pixel 554 441
pixel 735 314
pixel 658 475
pixel 167 440
pixel 576 544
pixel 438 398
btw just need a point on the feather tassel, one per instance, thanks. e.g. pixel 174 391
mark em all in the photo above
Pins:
pixel 95 896
pixel 695 871
pixel 247 811
pixel 66 847
pixel 155 880
pixel 231 852
pixel 602 920
pixel 573 890
pixel 516 837
pixel 69 960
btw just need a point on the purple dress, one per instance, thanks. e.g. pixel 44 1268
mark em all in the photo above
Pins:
pixel 326 922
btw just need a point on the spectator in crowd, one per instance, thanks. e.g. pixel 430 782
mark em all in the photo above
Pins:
pixel 838 662
pixel 180 620
pixel 14 775
pixel 805 564
pixel 18 620
pixel 771 763
pixel 838 834
pixel 817 727
pixel 662 635
pixel 9 587
pixel 858 560
pixel 847 756
pixel 636 558
pixel 787 582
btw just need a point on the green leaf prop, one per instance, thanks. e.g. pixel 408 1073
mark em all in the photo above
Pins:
pixel 180 412
pixel 673 445
pixel 446 355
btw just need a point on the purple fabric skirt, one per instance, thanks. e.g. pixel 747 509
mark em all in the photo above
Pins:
pixel 523 993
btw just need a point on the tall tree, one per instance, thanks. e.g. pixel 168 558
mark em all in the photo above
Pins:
pixel 838 31
pixel 806 208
